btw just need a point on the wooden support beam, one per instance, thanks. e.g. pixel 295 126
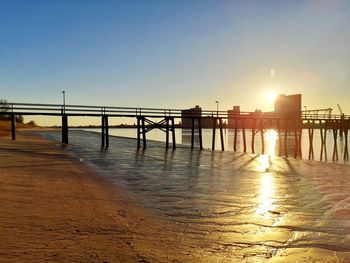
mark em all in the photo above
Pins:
pixel 285 138
pixel 102 131
pixel 279 137
pixel 167 132
pixel 346 150
pixel 221 135
pixel 107 131
pixel 243 133
pixel 13 127
pixel 173 131
pixel 261 123
pixel 311 143
pixel 138 132
pixel 192 133
pixel 294 123
pixel 335 147
pixel 143 132
pixel 235 136
pixel 214 132
pixel 253 134
pixel 342 124
pixel 65 129
pixel 300 128
pixel 200 133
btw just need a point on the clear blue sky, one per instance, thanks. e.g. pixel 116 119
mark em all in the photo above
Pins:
pixel 175 53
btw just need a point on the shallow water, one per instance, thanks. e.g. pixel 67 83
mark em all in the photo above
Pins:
pixel 251 205
pixel 271 141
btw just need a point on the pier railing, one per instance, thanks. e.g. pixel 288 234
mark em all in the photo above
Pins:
pixel 95 110
pixel 164 119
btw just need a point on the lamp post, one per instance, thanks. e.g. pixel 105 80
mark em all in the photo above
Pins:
pixel 217 108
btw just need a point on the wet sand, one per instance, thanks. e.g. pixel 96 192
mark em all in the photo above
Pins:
pixel 56 209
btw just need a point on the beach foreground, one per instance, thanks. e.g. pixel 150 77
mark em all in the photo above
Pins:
pixel 54 208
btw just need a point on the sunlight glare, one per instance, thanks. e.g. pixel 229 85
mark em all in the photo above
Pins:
pixel 271 96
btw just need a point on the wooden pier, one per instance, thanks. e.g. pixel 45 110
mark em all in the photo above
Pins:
pixel 147 119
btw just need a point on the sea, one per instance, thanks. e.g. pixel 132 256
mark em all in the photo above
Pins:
pixel 260 205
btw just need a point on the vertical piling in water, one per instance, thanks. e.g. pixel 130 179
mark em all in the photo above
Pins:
pixel 138 132
pixel 200 133
pixel 261 122
pixel 143 132
pixel 107 131
pixel 346 151
pixel 243 134
pixel 311 139
pixel 173 132
pixel 235 136
pixel 13 127
pixel 167 132
pixel 323 140
pixel 279 137
pixel 335 135
pixel 341 128
pixel 285 138
pixel 214 132
pixel 102 131
pixel 300 129
pixel 192 133
pixel 221 135
pixel 253 134
pixel 64 128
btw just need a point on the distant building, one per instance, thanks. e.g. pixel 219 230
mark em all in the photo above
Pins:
pixel 232 114
pixel 288 104
pixel 187 115
pixel 196 112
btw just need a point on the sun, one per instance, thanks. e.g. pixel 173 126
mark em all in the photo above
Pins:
pixel 271 96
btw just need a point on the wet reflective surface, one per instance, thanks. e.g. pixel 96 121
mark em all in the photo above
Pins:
pixel 238 206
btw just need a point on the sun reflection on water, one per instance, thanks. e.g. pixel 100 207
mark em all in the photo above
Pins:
pixel 266 194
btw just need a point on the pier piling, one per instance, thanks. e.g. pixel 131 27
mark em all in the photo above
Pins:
pixel 64 129
pixel 13 127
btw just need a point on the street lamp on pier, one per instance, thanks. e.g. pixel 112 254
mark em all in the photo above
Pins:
pixel 217 108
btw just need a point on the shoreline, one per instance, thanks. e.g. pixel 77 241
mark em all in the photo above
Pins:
pixel 56 208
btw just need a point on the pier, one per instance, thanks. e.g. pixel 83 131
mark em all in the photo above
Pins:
pixel 286 125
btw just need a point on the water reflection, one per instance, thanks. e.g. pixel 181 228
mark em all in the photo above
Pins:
pixel 266 195
pixel 266 183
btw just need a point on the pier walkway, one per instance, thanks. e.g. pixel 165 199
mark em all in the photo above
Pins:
pixel 287 125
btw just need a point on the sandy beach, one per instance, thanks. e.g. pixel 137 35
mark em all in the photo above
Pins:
pixel 54 209
pixel 57 209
